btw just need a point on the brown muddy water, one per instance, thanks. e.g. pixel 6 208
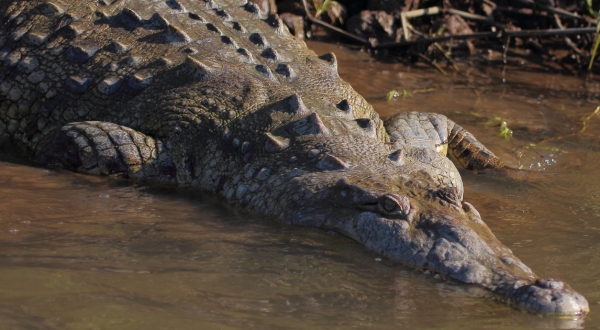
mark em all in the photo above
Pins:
pixel 82 252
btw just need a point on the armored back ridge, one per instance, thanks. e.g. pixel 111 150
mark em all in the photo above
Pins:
pixel 217 95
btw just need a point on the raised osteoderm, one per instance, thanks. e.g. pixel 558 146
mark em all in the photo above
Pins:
pixel 215 94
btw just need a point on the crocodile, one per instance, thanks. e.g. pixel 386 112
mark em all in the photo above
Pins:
pixel 216 94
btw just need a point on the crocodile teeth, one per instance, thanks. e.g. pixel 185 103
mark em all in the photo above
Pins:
pixel 296 105
pixel 310 125
pixel 331 59
pixel 331 163
pixel 275 144
pixel 396 156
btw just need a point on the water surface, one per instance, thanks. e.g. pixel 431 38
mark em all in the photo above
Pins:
pixel 83 252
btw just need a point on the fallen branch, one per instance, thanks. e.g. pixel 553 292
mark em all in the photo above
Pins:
pixel 557 11
pixel 572 45
pixel 331 27
pixel 521 11
pixel 480 35
pixel 412 14
pixel 474 17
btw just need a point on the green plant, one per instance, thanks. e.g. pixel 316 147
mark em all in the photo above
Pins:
pixel 394 94
pixel 590 9
pixel 505 132
pixel 328 5
pixel 595 44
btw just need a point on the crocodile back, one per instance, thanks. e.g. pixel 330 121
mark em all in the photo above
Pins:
pixel 159 66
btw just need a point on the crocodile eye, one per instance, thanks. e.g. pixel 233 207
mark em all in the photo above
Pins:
pixel 395 205
pixel 389 205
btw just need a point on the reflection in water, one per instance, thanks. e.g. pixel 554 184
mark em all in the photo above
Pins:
pixel 82 252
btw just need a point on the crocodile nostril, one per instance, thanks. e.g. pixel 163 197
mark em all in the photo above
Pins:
pixel 466 207
pixel 549 283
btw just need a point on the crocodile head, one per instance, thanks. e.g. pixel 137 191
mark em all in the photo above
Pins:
pixel 410 208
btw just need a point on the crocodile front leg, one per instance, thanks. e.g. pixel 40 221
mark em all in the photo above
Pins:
pixel 437 132
pixel 106 149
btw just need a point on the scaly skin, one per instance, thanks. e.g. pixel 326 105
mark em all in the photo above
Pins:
pixel 215 95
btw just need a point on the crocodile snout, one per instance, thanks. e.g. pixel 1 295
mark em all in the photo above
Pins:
pixel 550 296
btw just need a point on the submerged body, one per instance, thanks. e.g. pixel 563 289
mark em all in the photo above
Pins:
pixel 217 95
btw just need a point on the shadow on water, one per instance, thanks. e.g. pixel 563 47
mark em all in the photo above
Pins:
pixel 84 252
